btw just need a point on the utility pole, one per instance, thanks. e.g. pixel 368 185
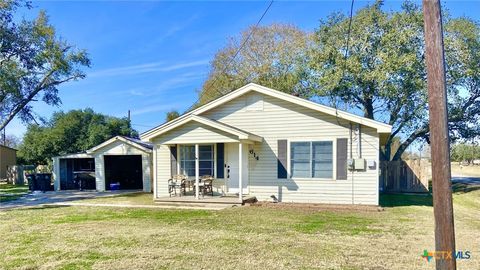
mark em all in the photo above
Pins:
pixel 130 123
pixel 440 146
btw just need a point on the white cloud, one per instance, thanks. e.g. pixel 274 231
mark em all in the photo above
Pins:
pixel 182 80
pixel 146 68
pixel 154 108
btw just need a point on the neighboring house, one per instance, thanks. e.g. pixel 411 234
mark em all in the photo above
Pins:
pixel 260 142
pixel 8 157
pixel 119 160
pixel 265 143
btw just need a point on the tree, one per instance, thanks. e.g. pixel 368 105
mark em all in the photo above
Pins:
pixel 12 141
pixel 71 132
pixel 465 152
pixel 384 74
pixel 274 56
pixel 33 63
pixel 172 115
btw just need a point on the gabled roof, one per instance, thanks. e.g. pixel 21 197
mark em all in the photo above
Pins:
pixel 379 126
pixel 241 134
pixel 144 146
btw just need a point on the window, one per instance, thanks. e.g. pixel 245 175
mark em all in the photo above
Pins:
pixel 311 159
pixel 187 160
pixel 206 160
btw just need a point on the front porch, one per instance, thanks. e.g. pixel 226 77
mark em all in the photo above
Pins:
pixel 205 155
pixel 230 200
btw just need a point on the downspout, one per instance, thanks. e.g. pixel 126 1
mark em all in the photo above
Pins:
pixel 351 157
pixel 351 142
pixel 359 141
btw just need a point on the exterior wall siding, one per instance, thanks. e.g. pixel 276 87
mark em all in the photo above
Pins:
pixel 162 153
pixel 8 157
pixel 194 132
pixel 283 120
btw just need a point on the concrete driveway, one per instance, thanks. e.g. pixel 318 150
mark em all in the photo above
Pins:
pixel 38 198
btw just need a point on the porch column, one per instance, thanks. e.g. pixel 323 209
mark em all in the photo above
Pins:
pixel 197 171
pixel 240 171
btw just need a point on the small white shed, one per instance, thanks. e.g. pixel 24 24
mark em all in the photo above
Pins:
pixel 121 160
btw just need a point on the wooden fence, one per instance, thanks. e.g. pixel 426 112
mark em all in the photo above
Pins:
pixel 16 173
pixel 405 176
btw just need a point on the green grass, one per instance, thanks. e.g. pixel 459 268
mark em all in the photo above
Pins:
pixel 394 200
pixel 235 238
pixel 139 198
pixel 336 222
pixel 9 192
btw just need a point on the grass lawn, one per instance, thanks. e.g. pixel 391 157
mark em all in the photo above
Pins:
pixel 472 170
pixel 236 238
pixel 12 192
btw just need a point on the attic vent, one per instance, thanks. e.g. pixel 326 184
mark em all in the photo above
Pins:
pixel 254 102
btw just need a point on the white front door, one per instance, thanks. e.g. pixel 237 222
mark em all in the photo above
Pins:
pixel 231 150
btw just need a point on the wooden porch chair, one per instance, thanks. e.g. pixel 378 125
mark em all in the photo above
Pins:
pixel 207 185
pixel 177 181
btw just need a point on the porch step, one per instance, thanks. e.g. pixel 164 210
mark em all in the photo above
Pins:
pixel 226 200
pixel 192 205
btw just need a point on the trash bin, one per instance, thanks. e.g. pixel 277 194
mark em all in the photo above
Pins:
pixel 31 181
pixel 44 181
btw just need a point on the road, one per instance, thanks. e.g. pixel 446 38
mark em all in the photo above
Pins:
pixel 469 180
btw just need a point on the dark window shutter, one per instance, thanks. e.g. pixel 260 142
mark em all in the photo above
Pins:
pixel 342 155
pixel 173 160
pixel 282 159
pixel 220 160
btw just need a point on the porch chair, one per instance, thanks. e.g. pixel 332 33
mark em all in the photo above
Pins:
pixel 207 185
pixel 177 181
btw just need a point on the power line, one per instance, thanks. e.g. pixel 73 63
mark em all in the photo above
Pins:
pixel 234 56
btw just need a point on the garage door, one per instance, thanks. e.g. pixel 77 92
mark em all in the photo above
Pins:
pixel 125 170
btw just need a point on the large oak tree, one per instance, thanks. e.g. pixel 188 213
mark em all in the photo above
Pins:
pixel 34 61
pixel 384 74
pixel 273 56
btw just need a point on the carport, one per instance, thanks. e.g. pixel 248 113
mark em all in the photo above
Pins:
pixel 72 170
pixel 123 161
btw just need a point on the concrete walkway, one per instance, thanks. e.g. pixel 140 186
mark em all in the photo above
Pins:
pixel 52 197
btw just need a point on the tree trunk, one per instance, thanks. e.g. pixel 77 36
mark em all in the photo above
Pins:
pixel 368 108
pixel 419 133
pixel 388 150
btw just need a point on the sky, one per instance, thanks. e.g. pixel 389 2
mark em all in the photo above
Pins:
pixel 151 57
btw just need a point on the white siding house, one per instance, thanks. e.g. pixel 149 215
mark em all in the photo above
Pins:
pixel 265 143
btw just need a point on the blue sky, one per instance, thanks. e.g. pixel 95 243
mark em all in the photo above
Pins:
pixel 151 57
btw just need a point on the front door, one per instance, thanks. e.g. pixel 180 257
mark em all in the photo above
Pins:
pixel 231 150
